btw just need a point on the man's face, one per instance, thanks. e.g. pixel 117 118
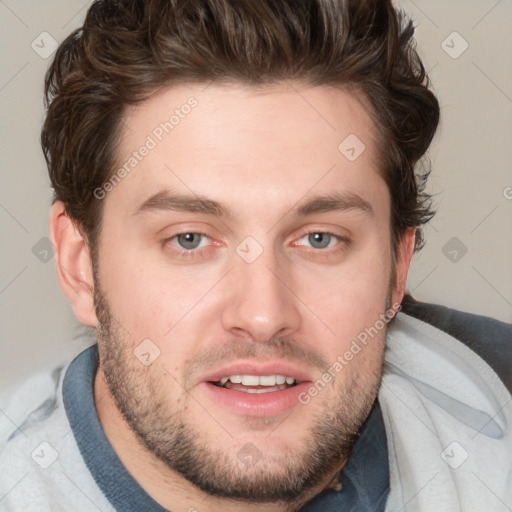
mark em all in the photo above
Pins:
pixel 245 242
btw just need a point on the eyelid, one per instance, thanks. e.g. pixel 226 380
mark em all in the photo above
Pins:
pixel 170 239
pixel 343 242
pixel 340 238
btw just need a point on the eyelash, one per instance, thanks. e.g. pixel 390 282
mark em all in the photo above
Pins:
pixel 193 253
pixel 185 253
pixel 345 242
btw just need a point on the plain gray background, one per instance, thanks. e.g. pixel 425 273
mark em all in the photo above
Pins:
pixel 466 264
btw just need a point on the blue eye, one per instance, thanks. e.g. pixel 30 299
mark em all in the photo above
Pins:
pixel 189 241
pixel 189 246
pixel 321 239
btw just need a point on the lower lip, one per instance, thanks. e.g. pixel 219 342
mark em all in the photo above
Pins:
pixel 256 405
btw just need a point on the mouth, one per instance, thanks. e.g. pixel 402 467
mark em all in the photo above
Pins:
pixel 256 390
pixel 256 384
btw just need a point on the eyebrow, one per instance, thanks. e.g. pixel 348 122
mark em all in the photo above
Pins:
pixel 334 202
pixel 167 201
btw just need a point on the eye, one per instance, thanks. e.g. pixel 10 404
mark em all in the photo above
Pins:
pixel 320 239
pixel 189 241
pixel 190 247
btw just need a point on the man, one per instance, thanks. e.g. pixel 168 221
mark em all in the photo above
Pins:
pixel 235 212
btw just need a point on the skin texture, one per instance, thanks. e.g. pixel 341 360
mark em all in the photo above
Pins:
pixel 261 153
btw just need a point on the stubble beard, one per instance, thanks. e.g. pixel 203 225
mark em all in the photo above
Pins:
pixel 287 478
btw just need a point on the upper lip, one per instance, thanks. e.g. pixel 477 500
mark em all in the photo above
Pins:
pixel 258 368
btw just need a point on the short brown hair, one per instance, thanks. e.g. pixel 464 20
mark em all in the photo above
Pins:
pixel 128 49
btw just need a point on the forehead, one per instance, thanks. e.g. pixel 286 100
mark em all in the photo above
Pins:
pixel 229 141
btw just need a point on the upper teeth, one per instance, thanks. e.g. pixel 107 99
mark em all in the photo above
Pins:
pixel 258 380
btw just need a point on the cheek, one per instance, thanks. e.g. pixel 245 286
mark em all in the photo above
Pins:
pixel 139 296
pixel 152 299
pixel 348 299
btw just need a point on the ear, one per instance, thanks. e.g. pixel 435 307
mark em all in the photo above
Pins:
pixel 404 253
pixel 73 262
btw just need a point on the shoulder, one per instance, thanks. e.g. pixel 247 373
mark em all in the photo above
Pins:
pixel 487 337
pixel 40 463
pixel 28 404
pixel 30 426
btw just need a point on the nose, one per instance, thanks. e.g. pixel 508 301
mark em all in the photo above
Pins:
pixel 260 303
